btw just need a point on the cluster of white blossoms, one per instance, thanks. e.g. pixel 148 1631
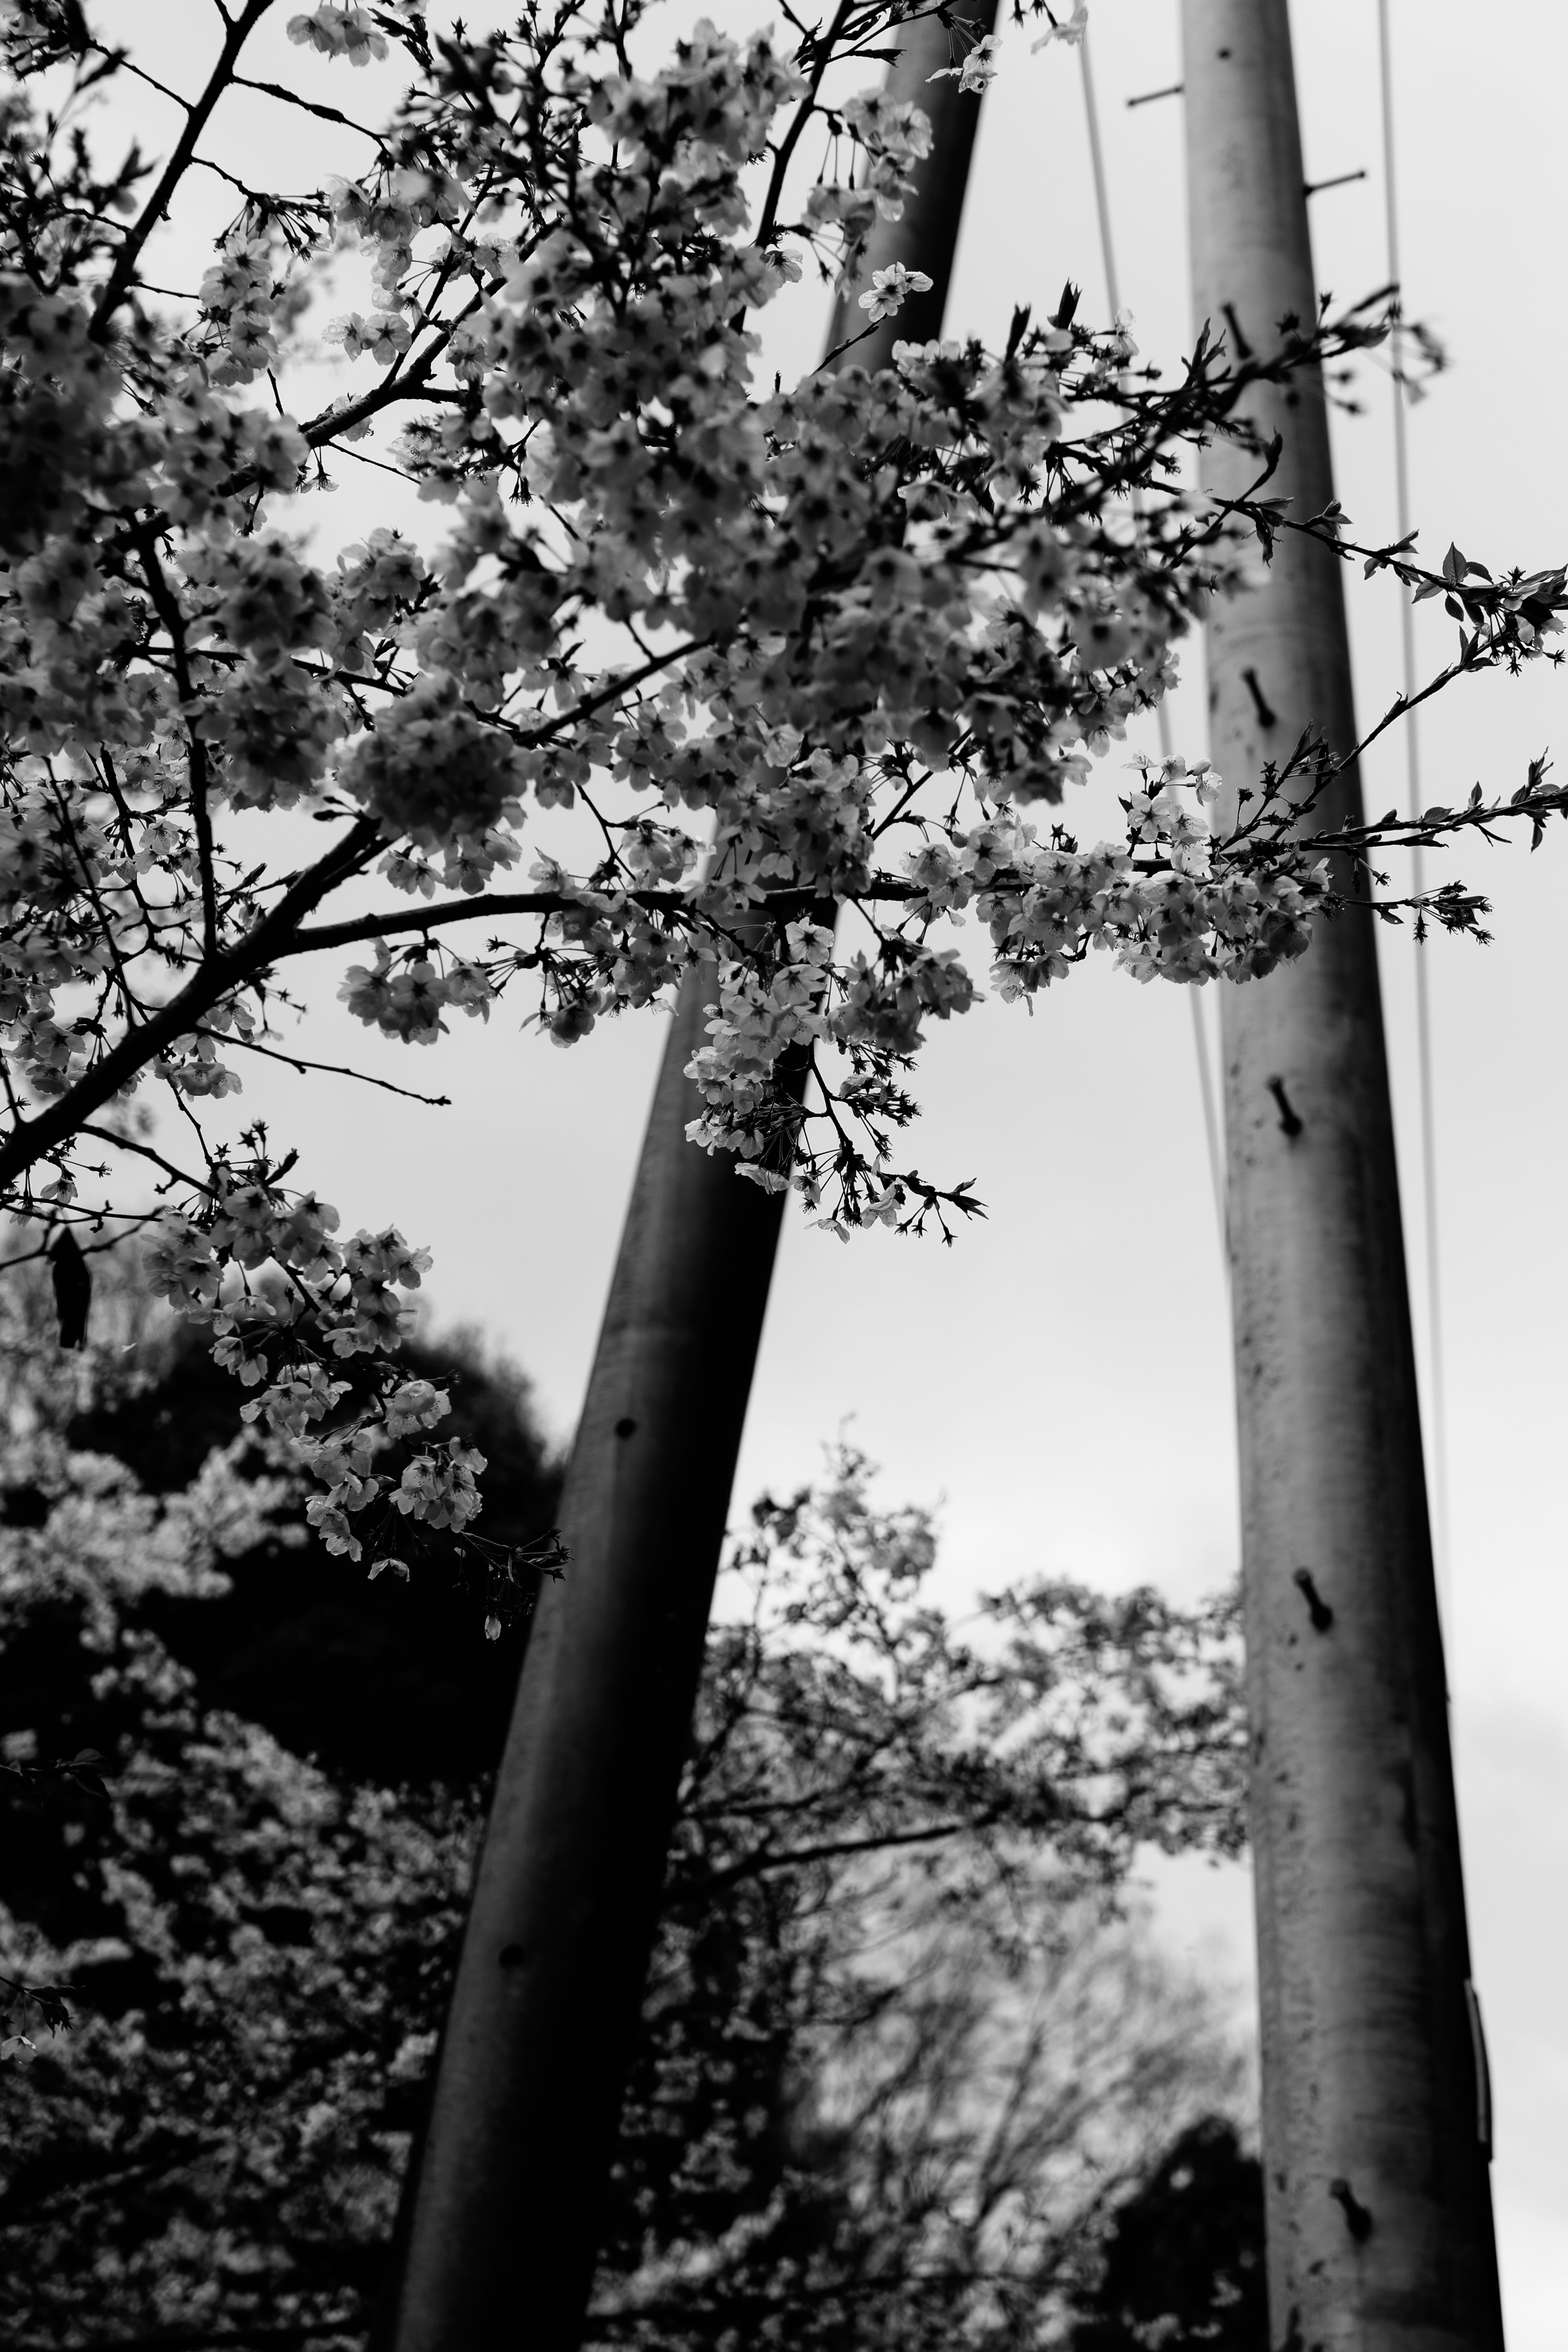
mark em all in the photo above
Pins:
pixel 262 1268
pixel 785 647
pixel 890 289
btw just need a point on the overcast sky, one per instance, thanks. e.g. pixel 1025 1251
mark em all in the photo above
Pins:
pixel 1059 1379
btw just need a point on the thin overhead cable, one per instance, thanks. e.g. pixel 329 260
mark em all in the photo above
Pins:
pixel 1436 1450
pixel 1102 192
pixel 1113 294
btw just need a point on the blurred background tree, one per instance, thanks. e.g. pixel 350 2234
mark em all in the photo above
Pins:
pixel 912 2067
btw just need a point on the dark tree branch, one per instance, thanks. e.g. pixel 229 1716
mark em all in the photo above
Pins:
pixel 198 113
pixel 755 1865
pixel 58 1120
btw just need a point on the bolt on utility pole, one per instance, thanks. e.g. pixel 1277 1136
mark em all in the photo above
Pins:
pixel 502 2226
pixel 1376 2123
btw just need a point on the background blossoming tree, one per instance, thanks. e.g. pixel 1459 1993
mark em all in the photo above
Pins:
pixel 774 649
pixel 899 2062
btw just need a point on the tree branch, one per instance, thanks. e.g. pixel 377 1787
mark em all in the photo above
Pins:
pixel 57 1122
pixel 830 1850
pixel 212 2339
pixel 329 1070
pixel 221 78
pixel 774 907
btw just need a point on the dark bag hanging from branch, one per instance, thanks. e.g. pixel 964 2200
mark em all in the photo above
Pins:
pixel 73 1289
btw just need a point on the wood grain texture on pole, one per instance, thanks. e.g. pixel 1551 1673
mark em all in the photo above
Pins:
pixel 501 2235
pixel 1379 2208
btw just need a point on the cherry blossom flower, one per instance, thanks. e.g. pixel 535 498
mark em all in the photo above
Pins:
pixel 1071 29
pixel 978 70
pixel 890 288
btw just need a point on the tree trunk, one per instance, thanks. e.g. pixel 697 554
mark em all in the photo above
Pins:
pixel 1379 2211
pixel 503 2230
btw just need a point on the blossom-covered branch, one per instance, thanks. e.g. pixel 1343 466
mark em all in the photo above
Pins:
pixel 789 647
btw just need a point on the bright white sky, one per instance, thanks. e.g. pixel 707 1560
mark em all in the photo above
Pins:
pixel 1059 1379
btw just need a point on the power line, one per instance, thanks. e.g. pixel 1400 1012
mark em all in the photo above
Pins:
pixel 1437 1385
pixel 1162 716
pixel 1096 161
pixel 1437 1469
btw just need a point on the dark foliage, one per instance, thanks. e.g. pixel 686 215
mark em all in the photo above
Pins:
pixel 390 1681
pixel 260 1949
pixel 1184 2262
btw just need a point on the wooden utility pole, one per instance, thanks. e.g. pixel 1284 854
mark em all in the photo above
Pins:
pixel 1376 2123
pixel 502 2234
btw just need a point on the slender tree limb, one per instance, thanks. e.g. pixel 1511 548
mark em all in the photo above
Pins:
pixel 213 2340
pixel 198 114
pixel 301 1063
pixel 146 1151
pixel 55 1124
pixel 756 1865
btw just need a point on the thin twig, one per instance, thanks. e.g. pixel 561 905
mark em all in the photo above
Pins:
pixel 58 1119
pixel 146 1152
pixel 331 1069
pixel 118 283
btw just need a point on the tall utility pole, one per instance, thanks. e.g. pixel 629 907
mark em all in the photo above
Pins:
pixel 1375 2127
pixel 502 2235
